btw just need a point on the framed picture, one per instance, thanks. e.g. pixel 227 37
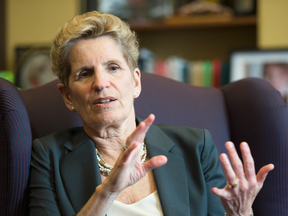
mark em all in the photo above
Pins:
pixel 271 65
pixel 33 65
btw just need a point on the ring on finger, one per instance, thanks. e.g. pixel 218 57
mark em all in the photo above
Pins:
pixel 125 146
pixel 233 185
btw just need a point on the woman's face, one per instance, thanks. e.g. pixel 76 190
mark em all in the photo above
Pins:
pixel 101 85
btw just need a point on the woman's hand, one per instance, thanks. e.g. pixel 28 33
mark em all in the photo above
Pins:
pixel 243 184
pixel 128 168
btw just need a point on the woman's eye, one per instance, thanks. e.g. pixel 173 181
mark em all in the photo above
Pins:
pixel 114 68
pixel 84 74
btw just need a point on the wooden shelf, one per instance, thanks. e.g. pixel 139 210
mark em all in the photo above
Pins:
pixel 212 21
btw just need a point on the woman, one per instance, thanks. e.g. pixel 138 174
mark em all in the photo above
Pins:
pixel 106 166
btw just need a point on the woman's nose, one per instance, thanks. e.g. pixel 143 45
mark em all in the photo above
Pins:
pixel 101 81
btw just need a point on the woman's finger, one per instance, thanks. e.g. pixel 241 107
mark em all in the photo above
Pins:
pixel 220 193
pixel 129 154
pixel 263 172
pixel 248 160
pixel 235 160
pixel 154 162
pixel 140 132
pixel 227 168
pixel 125 158
pixel 148 122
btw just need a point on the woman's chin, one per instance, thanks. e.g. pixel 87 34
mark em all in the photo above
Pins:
pixel 107 119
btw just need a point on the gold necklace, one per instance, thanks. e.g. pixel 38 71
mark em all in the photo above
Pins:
pixel 105 168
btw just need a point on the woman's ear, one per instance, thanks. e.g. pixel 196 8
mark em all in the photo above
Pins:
pixel 137 79
pixel 66 96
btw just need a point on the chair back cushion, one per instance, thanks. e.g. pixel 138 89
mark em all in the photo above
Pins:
pixel 180 104
pixel 47 111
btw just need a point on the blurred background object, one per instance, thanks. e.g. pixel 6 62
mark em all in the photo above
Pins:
pixel 33 65
pixel 194 48
pixel 8 75
pixel 244 7
pixel 137 10
pixel 204 8
pixel 276 73
pixel 271 65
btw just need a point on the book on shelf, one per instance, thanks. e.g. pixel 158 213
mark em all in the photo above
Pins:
pixel 216 65
pixel 213 73
pixel 207 73
pixel 160 68
pixel 196 73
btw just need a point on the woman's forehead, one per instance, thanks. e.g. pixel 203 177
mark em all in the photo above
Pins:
pixel 102 49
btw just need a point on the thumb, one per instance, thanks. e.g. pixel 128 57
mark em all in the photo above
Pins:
pixel 263 172
pixel 154 162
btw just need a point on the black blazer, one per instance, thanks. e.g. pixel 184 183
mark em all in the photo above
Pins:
pixel 65 173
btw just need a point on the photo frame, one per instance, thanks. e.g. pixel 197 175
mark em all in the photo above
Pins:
pixel 33 66
pixel 271 65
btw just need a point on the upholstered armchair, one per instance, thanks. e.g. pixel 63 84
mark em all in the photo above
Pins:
pixel 249 110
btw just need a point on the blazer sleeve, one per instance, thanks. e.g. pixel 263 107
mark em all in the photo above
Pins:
pixel 213 173
pixel 42 194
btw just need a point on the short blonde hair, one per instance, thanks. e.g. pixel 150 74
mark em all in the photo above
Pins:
pixel 91 25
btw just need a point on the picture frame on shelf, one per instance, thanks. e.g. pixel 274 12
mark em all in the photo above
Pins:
pixel 270 65
pixel 33 66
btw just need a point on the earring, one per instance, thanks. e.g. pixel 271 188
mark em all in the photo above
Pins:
pixel 72 108
pixel 136 94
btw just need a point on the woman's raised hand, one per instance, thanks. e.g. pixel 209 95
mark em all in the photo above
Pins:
pixel 128 168
pixel 243 184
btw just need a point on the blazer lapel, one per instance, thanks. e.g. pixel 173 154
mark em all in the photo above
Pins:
pixel 80 171
pixel 171 178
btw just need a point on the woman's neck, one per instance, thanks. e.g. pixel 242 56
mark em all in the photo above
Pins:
pixel 109 139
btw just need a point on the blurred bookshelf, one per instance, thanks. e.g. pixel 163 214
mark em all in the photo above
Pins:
pixel 200 34
pixel 198 40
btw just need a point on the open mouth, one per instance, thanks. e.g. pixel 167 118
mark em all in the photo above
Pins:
pixel 104 100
